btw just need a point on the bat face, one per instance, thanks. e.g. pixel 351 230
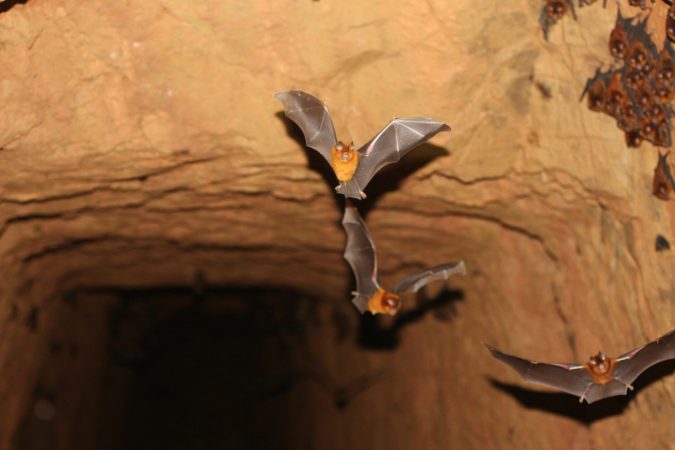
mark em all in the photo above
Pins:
pixel 615 95
pixel 595 90
pixel 663 92
pixel 633 138
pixel 618 41
pixel 665 68
pixel 344 161
pixel 600 368
pixel 643 96
pixel 628 118
pixel 555 9
pixel 384 302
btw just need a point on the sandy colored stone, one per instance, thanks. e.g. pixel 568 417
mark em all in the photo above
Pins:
pixel 140 144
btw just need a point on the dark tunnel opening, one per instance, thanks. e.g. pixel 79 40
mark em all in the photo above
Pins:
pixel 202 367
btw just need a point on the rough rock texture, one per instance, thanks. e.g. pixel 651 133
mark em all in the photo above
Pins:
pixel 140 145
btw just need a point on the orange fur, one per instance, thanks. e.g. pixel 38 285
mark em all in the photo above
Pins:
pixel 344 170
pixel 599 376
pixel 383 302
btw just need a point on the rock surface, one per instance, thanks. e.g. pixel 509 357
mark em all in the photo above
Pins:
pixel 140 145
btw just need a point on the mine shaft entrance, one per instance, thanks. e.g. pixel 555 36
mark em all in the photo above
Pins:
pixel 171 368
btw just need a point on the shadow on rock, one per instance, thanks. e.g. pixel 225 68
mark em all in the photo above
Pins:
pixel 374 335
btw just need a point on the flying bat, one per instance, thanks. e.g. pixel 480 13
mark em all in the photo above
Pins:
pixel 360 254
pixel 355 168
pixel 600 377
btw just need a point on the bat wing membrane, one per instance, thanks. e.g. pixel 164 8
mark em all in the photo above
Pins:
pixel 414 282
pixel 313 118
pixel 360 254
pixel 597 392
pixel 629 366
pixel 392 143
pixel 570 378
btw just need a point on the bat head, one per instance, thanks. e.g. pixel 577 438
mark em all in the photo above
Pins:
pixel 345 152
pixel 555 9
pixel 599 363
pixel 628 117
pixel 643 96
pixel 638 57
pixel 596 93
pixel 600 367
pixel 663 92
pixel 633 138
pixel 383 302
pixel 615 95
pixel 391 303
pixel 618 41
pixel 665 68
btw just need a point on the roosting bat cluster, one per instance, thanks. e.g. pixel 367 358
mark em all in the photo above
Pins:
pixel 638 94
pixel 599 378
pixel 554 10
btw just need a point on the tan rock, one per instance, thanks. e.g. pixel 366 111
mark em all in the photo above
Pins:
pixel 140 144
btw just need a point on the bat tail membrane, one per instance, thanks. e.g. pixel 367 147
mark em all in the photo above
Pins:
pixel 351 189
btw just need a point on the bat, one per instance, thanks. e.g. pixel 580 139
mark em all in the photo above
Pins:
pixel 553 11
pixel 661 244
pixel 663 184
pixel 596 88
pixel 360 254
pixel 618 40
pixel 600 377
pixel 615 95
pixel 665 66
pixel 355 168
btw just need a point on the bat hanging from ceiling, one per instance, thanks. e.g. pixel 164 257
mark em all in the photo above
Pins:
pixel 355 168
pixel 360 254
pixel 600 377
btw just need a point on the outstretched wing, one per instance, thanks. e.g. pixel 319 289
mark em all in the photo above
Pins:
pixel 570 378
pixel 360 254
pixel 313 118
pixel 392 143
pixel 629 366
pixel 413 283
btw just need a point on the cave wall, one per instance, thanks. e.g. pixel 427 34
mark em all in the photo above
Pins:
pixel 140 145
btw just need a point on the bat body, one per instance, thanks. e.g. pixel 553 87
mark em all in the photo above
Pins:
pixel 600 377
pixel 355 168
pixel 360 254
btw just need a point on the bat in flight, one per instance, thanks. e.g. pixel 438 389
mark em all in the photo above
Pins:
pixel 600 377
pixel 355 168
pixel 360 254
